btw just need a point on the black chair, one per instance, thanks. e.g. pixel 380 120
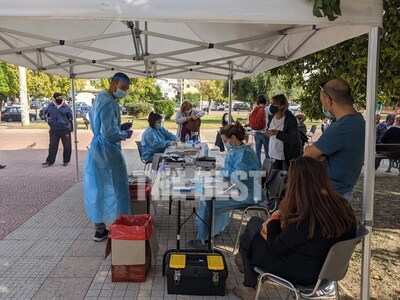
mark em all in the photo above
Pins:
pixel 333 270
pixel 146 163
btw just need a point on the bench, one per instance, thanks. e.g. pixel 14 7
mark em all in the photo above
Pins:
pixel 388 151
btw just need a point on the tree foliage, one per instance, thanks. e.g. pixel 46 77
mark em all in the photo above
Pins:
pixel 192 97
pixel 248 88
pixel 43 85
pixel 348 60
pixel 8 81
pixel 327 8
pixel 212 90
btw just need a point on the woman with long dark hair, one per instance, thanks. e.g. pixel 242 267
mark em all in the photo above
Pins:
pixel 225 121
pixel 294 242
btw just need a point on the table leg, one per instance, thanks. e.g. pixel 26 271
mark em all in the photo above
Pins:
pixel 210 224
pixel 178 231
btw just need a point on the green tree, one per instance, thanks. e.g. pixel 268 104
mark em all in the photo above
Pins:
pixel 212 90
pixel 192 97
pixel 248 88
pixel 43 85
pixel 348 60
pixel 8 82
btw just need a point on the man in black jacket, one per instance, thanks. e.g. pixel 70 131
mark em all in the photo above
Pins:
pixel 59 117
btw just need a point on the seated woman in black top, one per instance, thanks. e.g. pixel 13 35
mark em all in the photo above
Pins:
pixel 294 242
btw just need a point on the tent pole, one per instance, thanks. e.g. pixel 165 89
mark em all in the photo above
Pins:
pixel 230 83
pixel 369 156
pixel 72 77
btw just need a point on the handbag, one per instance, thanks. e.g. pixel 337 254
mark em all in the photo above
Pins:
pixel 193 125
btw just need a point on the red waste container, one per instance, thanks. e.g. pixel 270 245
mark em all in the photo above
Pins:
pixel 130 242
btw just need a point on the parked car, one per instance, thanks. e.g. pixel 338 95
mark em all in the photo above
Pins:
pixel 241 106
pixel 13 113
pixel 220 107
pixel 39 103
pixel 294 107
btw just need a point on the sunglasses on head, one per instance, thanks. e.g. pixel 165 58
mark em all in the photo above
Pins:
pixel 321 86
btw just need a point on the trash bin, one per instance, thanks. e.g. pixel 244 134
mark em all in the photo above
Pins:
pixel 133 241
pixel 140 194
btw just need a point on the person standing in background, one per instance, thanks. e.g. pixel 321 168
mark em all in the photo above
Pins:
pixel 283 132
pixel 259 134
pixel 59 117
pixel 185 115
pixel 105 178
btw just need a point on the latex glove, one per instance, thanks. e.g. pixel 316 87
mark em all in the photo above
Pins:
pixel 126 126
pixel 129 132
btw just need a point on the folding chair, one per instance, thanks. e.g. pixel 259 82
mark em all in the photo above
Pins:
pixel 333 270
pixel 260 207
pixel 146 163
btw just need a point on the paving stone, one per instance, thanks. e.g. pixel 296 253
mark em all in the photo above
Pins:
pixel 77 267
pixel 63 288
pixel 86 248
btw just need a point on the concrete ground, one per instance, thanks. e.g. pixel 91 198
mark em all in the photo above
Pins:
pixel 46 241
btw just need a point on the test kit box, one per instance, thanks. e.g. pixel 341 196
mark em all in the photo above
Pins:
pixel 132 244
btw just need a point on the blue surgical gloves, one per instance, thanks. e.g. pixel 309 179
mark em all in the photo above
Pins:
pixel 126 126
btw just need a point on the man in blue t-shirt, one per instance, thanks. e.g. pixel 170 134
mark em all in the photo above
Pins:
pixel 341 146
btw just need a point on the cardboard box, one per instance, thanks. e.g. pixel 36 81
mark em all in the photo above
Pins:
pixel 132 273
pixel 131 259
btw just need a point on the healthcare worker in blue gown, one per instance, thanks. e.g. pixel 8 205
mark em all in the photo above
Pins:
pixel 241 168
pixel 155 138
pixel 105 178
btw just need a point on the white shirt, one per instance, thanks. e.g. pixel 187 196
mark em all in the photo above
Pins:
pixel 275 150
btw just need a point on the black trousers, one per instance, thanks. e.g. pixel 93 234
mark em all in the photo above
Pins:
pixel 55 136
pixel 253 228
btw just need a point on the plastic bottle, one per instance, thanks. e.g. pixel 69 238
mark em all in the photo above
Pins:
pixel 187 138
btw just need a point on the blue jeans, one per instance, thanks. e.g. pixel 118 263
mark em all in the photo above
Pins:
pixel 261 139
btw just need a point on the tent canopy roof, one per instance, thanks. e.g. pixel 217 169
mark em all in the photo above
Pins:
pixel 179 39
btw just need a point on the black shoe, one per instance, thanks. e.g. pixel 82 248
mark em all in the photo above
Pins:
pixel 65 164
pixel 46 164
pixel 2 166
pixel 197 244
pixel 100 235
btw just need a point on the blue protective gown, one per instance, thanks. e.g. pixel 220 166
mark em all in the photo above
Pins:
pixel 155 140
pixel 242 158
pixel 105 179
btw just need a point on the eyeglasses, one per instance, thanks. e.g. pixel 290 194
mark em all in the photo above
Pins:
pixel 321 86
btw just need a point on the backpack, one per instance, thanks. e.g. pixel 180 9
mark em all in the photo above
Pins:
pixel 257 119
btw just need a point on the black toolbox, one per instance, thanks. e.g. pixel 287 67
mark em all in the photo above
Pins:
pixel 195 272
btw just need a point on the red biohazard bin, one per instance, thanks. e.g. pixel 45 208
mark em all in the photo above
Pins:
pixel 132 242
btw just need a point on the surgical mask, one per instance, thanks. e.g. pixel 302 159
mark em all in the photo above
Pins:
pixel 228 146
pixel 119 94
pixel 273 109
pixel 226 119
pixel 59 101
pixel 327 113
pixel 158 126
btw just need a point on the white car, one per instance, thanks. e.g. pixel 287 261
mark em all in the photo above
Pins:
pixel 294 107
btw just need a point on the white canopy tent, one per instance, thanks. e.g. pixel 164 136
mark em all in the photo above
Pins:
pixel 223 39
